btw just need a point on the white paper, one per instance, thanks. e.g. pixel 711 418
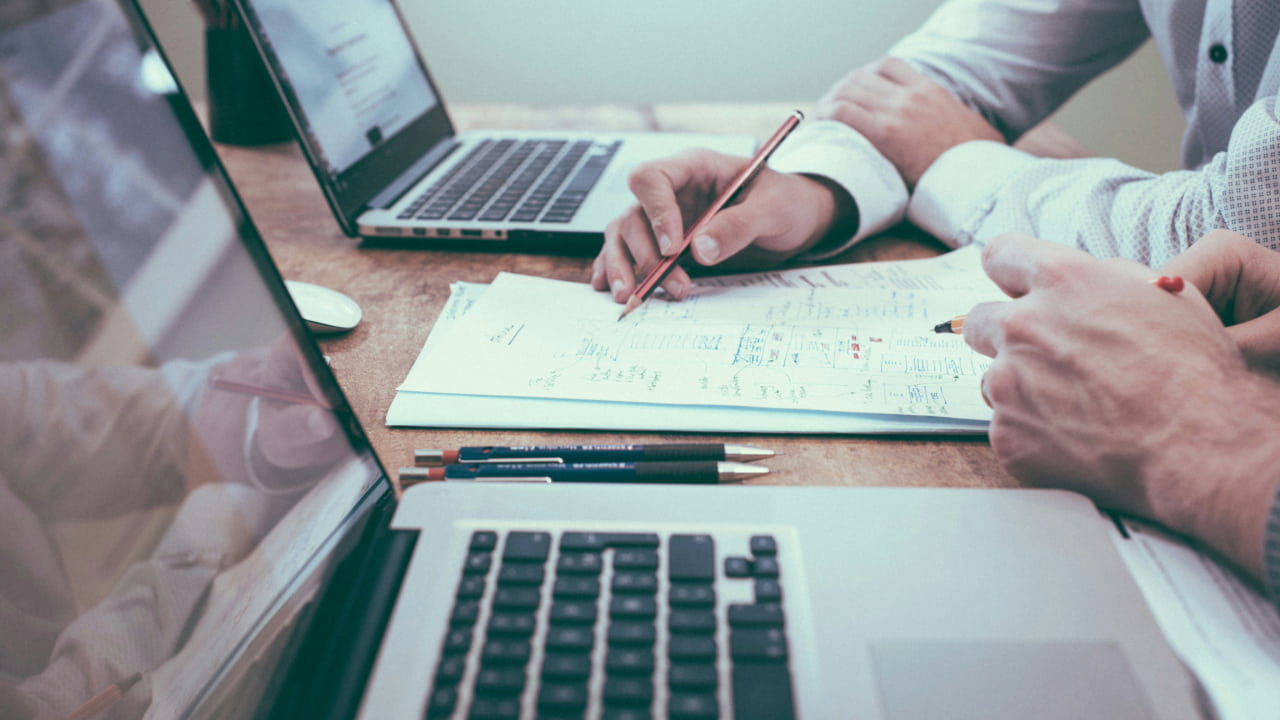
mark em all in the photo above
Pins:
pixel 845 349
pixel 1223 629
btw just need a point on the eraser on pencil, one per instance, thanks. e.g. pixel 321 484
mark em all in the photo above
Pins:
pixel 434 458
pixel 414 475
pixel 1169 284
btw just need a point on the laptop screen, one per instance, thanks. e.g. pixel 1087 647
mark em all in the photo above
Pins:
pixel 176 460
pixel 352 70
pixel 361 100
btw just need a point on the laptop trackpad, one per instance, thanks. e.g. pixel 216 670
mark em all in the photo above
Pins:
pixel 994 681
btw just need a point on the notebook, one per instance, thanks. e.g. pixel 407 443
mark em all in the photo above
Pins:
pixel 179 546
pixel 378 136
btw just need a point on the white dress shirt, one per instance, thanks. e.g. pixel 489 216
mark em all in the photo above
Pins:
pixel 1017 61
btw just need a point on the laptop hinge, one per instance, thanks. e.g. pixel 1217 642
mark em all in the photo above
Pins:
pixel 327 676
pixel 411 176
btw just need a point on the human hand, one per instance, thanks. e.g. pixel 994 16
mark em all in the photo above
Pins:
pixel 1241 280
pixel 780 216
pixel 291 439
pixel 1104 384
pixel 909 118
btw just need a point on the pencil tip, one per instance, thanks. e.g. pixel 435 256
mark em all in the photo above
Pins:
pixel 632 304
pixel 943 327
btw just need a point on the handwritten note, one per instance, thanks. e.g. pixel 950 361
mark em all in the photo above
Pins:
pixel 848 339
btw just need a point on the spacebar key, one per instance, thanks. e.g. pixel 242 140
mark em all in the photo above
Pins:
pixel 762 690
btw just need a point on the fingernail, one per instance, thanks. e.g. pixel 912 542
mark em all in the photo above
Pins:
pixel 664 243
pixel 707 248
pixel 618 288
pixel 595 274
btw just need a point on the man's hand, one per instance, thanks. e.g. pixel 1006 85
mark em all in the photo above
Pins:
pixel 1105 384
pixel 1241 280
pixel 778 217
pixel 909 118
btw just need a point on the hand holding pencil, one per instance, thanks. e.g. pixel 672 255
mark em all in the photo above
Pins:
pixel 780 216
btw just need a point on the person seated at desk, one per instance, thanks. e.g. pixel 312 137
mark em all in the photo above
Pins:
pixel 933 117
pixel 1157 410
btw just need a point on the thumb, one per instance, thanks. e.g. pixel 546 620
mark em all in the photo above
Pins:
pixel 1259 341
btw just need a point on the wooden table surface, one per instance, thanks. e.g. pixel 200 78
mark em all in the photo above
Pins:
pixel 402 292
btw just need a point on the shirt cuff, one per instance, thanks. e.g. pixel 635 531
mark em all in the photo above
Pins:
pixel 837 152
pixel 959 189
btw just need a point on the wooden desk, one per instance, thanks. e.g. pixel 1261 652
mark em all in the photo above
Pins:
pixel 402 292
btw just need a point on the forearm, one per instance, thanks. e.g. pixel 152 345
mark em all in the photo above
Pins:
pixel 977 190
pixel 1218 480
pixel 1016 61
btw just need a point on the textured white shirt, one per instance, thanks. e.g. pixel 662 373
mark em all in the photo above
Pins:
pixel 1016 61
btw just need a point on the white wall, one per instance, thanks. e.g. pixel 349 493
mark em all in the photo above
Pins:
pixel 612 51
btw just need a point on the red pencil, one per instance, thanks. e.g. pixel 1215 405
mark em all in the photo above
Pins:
pixel 739 183
pixel 270 393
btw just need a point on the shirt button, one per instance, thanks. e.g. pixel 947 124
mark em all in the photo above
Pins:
pixel 1218 53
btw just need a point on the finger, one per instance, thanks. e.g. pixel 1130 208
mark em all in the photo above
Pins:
pixel 619 276
pixel 1259 341
pixel 655 185
pixel 898 72
pixel 1239 278
pixel 850 113
pixel 983 327
pixel 599 279
pixel 1017 262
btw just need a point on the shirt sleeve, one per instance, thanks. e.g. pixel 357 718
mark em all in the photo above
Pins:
pixel 836 152
pixel 1105 207
pixel 1017 61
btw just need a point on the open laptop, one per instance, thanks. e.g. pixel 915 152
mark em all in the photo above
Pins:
pixel 194 525
pixel 378 136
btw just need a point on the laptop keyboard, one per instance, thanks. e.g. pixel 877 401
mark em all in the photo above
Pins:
pixel 612 625
pixel 515 180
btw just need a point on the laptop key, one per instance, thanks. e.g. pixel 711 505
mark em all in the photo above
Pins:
pixel 692 596
pixel 763 545
pixel 764 614
pixel 635 582
pixel 520 625
pixel 628 690
pixel 566 665
pixel 527 546
pixel 694 706
pixel 758 644
pixel 692 558
pixel 495 709
pixel 626 713
pixel 692 675
pixel 762 691
pixel 562 696
pixel 500 681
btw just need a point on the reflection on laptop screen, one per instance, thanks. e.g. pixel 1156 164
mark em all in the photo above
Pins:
pixel 170 467
pixel 352 70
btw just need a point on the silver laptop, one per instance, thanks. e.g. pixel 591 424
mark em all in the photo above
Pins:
pixel 376 131
pixel 193 525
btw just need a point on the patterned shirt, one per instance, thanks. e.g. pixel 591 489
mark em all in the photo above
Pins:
pixel 1016 61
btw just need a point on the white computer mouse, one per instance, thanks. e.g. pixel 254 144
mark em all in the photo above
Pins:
pixel 325 311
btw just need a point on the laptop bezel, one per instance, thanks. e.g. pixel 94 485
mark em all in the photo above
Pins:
pixel 350 194
pixel 362 539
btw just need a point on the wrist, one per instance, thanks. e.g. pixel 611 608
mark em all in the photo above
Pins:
pixel 1219 483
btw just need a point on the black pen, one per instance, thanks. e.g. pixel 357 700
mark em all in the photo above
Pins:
pixel 671 452
pixel 708 472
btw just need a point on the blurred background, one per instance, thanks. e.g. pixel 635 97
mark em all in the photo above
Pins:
pixel 657 51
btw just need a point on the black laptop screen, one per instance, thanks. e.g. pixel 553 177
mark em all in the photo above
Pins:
pixel 362 102
pixel 174 456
